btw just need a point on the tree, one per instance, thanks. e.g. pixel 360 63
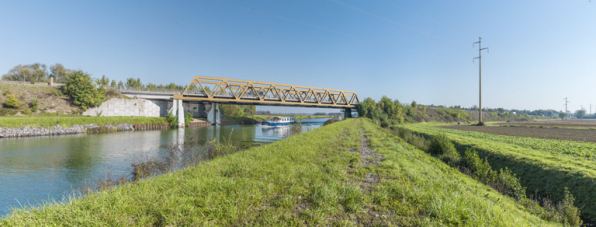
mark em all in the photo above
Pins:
pixel 79 87
pixel 239 112
pixel 33 73
pixel 249 110
pixel 133 83
pixel 580 114
pixel 562 115
pixel 414 104
pixel 120 85
pixel 104 81
pixel 113 84
pixel 58 72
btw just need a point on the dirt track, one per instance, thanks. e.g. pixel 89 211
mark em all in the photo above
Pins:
pixel 585 135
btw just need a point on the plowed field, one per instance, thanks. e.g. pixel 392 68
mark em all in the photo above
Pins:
pixel 558 123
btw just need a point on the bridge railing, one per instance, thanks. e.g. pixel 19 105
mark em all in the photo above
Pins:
pixel 214 89
pixel 156 90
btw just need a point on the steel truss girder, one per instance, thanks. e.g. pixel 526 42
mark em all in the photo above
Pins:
pixel 256 92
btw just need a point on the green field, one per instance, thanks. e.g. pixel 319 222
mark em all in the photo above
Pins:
pixel 543 166
pixel 331 175
pixel 585 150
pixel 45 122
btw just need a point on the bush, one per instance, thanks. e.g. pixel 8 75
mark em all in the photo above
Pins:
pixel 481 169
pixel 172 119
pixel 34 105
pixel 569 211
pixel 79 87
pixel 12 101
pixel 440 144
pixel 26 111
pixel 187 118
pixel 510 184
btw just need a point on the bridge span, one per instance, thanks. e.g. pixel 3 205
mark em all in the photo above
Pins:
pixel 209 92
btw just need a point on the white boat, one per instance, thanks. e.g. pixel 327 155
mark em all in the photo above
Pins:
pixel 278 121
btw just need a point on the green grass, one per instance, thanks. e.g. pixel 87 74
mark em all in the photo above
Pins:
pixel 314 178
pixel 585 150
pixel 539 170
pixel 44 122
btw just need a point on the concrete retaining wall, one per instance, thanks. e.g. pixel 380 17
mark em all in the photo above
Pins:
pixel 130 108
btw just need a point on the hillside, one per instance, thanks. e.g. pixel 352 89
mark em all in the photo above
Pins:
pixel 51 101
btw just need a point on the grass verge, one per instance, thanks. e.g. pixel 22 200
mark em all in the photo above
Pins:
pixel 540 171
pixel 347 173
pixel 45 122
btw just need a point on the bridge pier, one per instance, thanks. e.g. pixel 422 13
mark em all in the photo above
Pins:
pixel 347 113
pixel 180 112
pixel 213 113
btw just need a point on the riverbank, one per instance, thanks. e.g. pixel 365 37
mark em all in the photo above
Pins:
pixel 11 127
pixel 347 173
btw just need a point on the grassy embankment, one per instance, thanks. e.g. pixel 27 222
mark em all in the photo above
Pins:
pixel 45 122
pixel 540 164
pixel 332 175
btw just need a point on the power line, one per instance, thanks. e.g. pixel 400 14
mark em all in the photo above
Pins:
pixel 479 76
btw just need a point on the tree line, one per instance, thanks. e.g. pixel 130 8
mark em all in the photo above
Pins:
pixel 38 72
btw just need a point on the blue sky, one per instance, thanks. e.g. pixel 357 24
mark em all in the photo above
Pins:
pixel 540 51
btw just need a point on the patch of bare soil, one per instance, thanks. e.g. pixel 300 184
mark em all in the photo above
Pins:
pixel 582 135
pixel 368 158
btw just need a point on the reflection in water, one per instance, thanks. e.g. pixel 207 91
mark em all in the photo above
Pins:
pixel 38 169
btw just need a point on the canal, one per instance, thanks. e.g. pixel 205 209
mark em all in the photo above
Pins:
pixel 35 170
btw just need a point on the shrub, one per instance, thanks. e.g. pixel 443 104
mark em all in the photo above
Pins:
pixel 510 184
pixel 34 104
pixel 12 101
pixel 79 87
pixel 569 211
pixel 187 118
pixel 440 144
pixel 26 111
pixel 481 169
pixel 172 119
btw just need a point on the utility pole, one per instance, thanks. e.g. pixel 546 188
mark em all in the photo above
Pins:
pixel 479 77
pixel 566 108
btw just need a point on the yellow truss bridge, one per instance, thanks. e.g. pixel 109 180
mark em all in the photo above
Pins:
pixel 232 91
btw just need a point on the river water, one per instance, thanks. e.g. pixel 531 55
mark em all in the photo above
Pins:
pixel 35 170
